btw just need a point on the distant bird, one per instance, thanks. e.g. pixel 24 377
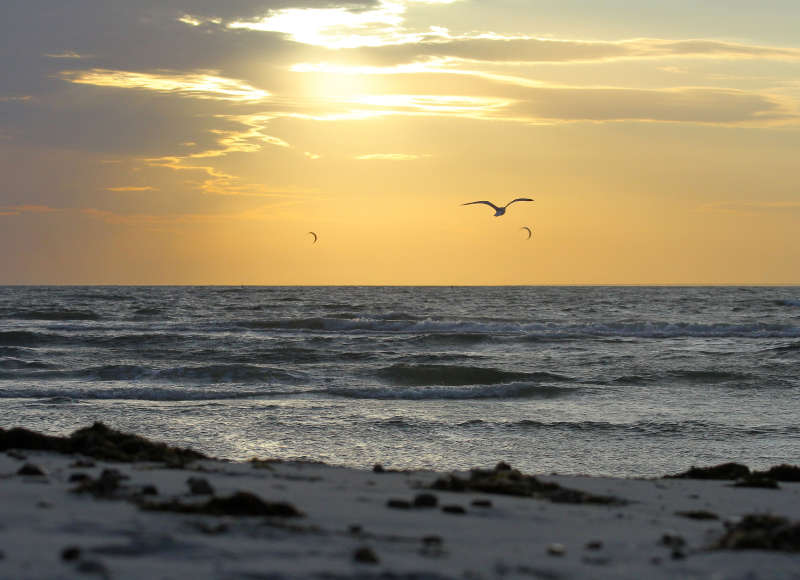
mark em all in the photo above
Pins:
pixel 498 211
pixel 315 237
pixel 527 229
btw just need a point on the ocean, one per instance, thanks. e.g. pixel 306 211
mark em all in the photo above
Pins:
pixel 623 381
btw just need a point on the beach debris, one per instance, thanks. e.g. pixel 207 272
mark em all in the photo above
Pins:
pixel 594 545
pixel 104 486
pixel 99 442
pixel 675 543
pixel 199 486
pixel 149 489
pixel 761 532
pixel 401 504
pixel 556 549
pixel 453 509
pixel 70 553
pixel 509 481
pixel 425 500
pixel 698 515
pixel 241 503
pixel 757 480
pixel 481 503
pixel 30 469
pixel 365 555
pixel 782 472
pixel 721 471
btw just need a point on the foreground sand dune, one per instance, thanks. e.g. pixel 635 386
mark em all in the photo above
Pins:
pixel 68 516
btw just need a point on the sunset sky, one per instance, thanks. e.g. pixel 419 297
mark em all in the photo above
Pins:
pixel 199 141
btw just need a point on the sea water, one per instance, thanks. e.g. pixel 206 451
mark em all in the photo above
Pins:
pixel 630 381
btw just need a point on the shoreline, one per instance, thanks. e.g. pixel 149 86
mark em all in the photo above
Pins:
pixel 158 511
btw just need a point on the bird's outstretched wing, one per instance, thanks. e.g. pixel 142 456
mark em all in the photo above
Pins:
pixel 518 199
pixel 489 203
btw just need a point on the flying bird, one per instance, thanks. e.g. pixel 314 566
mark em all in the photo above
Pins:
pixel 315 237
pixel 498 211
pixel 527 229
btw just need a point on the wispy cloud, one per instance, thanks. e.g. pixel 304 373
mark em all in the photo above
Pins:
pixel 201 85
pixel 16 210
pixel 132 188
pixel 68 54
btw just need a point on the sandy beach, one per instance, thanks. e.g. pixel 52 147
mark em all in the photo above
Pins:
pixel 67 515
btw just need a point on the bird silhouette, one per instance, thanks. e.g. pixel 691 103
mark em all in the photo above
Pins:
pixel 315 237
pixel 498 211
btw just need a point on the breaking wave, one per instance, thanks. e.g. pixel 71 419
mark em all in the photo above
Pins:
pixel 446 375
pixel 476 331
pixel 519 390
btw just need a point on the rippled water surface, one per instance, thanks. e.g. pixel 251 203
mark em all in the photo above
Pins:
pixel 600 380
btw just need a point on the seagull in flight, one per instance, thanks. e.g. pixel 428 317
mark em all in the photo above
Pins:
pixel 527 229
pixel 315 237
pixel 498 211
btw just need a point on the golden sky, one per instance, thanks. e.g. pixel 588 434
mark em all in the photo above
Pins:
pixel 198 141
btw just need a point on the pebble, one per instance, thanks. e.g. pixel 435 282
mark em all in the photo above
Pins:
pixel 150 489
pixel 30 469
pixel 453 509
pixel 432 540
pixel 365 555
pixel 70 553
pixel 399 504
pixel 426 500
pixel 556 549
pixel 199 486
pixel 483 503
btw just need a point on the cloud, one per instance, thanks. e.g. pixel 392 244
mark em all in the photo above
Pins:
pixel 692 105
pixel 554 104
pixel 340 26
pixel 198 85
pixel 440 44
pixel 132 188
pixel 21 209
pixel 71 54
